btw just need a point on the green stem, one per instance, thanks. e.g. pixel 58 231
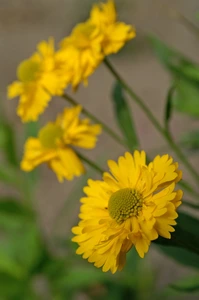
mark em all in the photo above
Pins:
pixel 93 118
pixel 190 204
pixel 186 186
pixel 154 121
pixel 90 163
pixel 176 15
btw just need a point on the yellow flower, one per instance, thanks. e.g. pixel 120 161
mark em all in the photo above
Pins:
pixel 115 34
pixel 54 141
pixel 82 52
pixel 39 78
pixel 130 207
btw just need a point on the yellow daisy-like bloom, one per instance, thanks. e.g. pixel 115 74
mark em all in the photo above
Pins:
pixel 130 207
pixel 39 78
pixel 82 52
pixel 54 141
pixel 115 34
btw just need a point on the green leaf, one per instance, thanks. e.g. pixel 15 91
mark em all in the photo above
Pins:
pixel 10 266
pixel 12 207
pixel 7 143
pixel 184 243
pixel 178 64
pixel 124 118
pixel 190 71
pixel 67 277
pixel 169 106
pixel 20 240
pixel 79 278
pixel 171 58
pixel 186 99
pixel 10 175
pixel 182 256
pixel 185 74
pixel 188 284
pixel 14 289
pixel 190 140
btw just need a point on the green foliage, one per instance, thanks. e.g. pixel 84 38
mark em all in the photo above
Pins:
pixel 186 98
pixel 190 140
pixel 181 256
pixel 168 106
pixel 185 77
pixel 70 277
pixel 14 289
pixel 184 244
pixel 19 233
pixel 21 250
pixel 10 175
pixel 124 118
pixel 7 142
pixel 187 284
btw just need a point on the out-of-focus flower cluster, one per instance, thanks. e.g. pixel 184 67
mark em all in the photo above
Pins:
pixel 48 72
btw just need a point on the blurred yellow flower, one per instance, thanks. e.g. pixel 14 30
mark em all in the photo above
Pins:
pixel 130 207
pixel 54 144
pixel 47 73
pixel 39 78
pixel 115 34
pixel 82 52
pixel 90 41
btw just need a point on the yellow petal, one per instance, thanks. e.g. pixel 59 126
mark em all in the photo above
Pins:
pixel 14 89
pixel 35 154
pixel 66 165
pixel 33 102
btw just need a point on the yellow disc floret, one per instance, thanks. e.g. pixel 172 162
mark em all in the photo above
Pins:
pixel 124 204
pixel 83 34
pixel 50 135
pixel 27 70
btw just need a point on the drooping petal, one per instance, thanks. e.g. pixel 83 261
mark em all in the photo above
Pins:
pixel 33 102
pixel 66 164
pixel 14 89
pixel 35 154
pixel 78 132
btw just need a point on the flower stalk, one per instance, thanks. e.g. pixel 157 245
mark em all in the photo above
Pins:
pixel 154 121
pixel 90 163
pixel 95 119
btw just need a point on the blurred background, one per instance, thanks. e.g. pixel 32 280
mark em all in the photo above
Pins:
pixel 24 23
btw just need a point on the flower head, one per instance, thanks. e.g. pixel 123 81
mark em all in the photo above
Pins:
pixel 39 78
pixel 54 141
pixel 82 52
pixel 130 207
pixel 115 34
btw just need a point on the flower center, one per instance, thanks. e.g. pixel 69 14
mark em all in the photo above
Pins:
pixel 82 36
pixel 49 135
pixel 27 70
pixel 124 204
